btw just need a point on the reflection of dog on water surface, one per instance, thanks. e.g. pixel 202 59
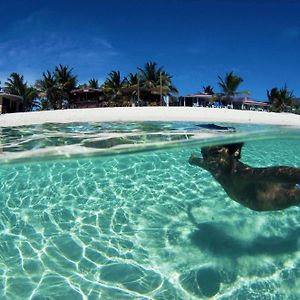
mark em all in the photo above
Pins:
pixel 260 189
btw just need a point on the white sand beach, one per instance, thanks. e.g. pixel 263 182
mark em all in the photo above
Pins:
pixel 132 114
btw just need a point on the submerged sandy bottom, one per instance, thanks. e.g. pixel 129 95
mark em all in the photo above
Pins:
pixel 143 226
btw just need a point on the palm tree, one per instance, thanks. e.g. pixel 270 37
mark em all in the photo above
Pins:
pixel 167 86
pixel 150 75
pixel 16 85
pixel 66 82
pixel 229 86
pixel 93 83
pixel 114 85
pixel 208 89
pixel 55 88
pixel 133 79
pixel 31 99
pixel 280 99
pixel 48 91
pixel 133 87
pixel 156 81
pixel 296 105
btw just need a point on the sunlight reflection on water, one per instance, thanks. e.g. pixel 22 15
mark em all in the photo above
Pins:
pixel 144 225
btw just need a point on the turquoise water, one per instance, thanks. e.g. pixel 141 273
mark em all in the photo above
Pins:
pixel 137 221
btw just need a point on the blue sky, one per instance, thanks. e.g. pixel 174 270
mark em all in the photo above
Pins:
pixel 194 40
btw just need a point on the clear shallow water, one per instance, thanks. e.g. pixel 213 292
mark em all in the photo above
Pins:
pixel 141 225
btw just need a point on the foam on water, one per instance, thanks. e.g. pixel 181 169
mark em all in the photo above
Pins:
pixel 144 225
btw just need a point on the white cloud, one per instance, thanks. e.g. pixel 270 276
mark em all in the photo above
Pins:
pixel 30 48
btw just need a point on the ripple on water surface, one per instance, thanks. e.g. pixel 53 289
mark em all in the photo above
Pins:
pixel 143 226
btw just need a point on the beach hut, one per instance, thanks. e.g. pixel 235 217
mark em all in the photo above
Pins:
pixel 249 104
pixel 197 99
pixel 87 98
pixel 11 103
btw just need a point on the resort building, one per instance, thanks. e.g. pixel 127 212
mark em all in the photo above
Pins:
pixel 10 103
pixel 90 98
pixel 87 98
pixel 249 104
pixel 205 100
pixel 198 99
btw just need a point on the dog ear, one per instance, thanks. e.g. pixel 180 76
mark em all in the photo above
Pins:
pixel 237 153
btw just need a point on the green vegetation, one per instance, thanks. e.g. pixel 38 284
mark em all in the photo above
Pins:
pixel 208 89
pixel 16 85
pixel 147 86
pixel 282 100
pixel 54 89
pixel 93 84
pixel 155 82
pixel 295 108
pixel 229 87
pixel 114 87
pixel 65 82
pixel 48 91
pixel 133 88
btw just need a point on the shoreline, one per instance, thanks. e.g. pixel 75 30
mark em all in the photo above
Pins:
pixel 140 114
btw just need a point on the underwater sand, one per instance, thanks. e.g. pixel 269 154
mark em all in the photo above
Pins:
pixel 140 224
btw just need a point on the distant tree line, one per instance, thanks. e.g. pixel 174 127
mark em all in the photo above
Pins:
pixel 283 100
pixel 280 99
pixel 150 83
pixel 53 90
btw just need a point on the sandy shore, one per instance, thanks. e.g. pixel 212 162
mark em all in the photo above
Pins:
pixel 131 114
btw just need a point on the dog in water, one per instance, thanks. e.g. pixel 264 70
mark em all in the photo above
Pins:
pixel 260 189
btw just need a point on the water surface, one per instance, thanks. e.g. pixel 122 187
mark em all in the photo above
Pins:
pixel 118 223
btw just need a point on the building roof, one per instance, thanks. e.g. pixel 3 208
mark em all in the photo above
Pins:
pixel 251 102
pixel 11 96
pixel 198 95
pixel 86 90
pixel 243 100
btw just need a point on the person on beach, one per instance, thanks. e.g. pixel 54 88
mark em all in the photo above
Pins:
pixel 260 189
